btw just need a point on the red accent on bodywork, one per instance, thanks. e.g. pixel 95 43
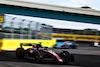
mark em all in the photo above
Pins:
pixel 2 50
pixel 55 55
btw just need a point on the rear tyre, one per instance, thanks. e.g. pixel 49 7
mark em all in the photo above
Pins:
pixel 65 46
pixel 37 57
pixel 20 53
pixel 74 47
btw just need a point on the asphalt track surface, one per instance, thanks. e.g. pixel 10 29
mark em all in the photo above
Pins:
pixel 84 57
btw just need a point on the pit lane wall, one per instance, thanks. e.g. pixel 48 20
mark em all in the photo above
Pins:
pixel 76 37
pixel 13 44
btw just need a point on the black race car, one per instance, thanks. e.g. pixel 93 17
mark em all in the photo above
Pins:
pixel 40 54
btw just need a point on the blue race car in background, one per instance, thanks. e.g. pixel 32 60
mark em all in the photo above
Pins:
pixel 66 44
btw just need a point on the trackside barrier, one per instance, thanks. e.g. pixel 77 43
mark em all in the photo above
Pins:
pixel 76 37
pixel 13 44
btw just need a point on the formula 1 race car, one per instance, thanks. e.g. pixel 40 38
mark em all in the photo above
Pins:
pixel 40 54
pixel 66 44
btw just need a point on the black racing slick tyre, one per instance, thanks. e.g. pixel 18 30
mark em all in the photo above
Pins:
pixel 20 53
pixel 65 56
pixel 37 57
pixel 74 47
pixel 65 46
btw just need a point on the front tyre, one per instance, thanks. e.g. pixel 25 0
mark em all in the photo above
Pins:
pixel 20 53
pixel 65 56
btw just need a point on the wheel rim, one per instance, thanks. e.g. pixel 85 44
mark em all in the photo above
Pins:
pixel 37 57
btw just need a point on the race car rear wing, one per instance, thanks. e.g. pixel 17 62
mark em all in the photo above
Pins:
pixel 31 44
pixel 27 44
